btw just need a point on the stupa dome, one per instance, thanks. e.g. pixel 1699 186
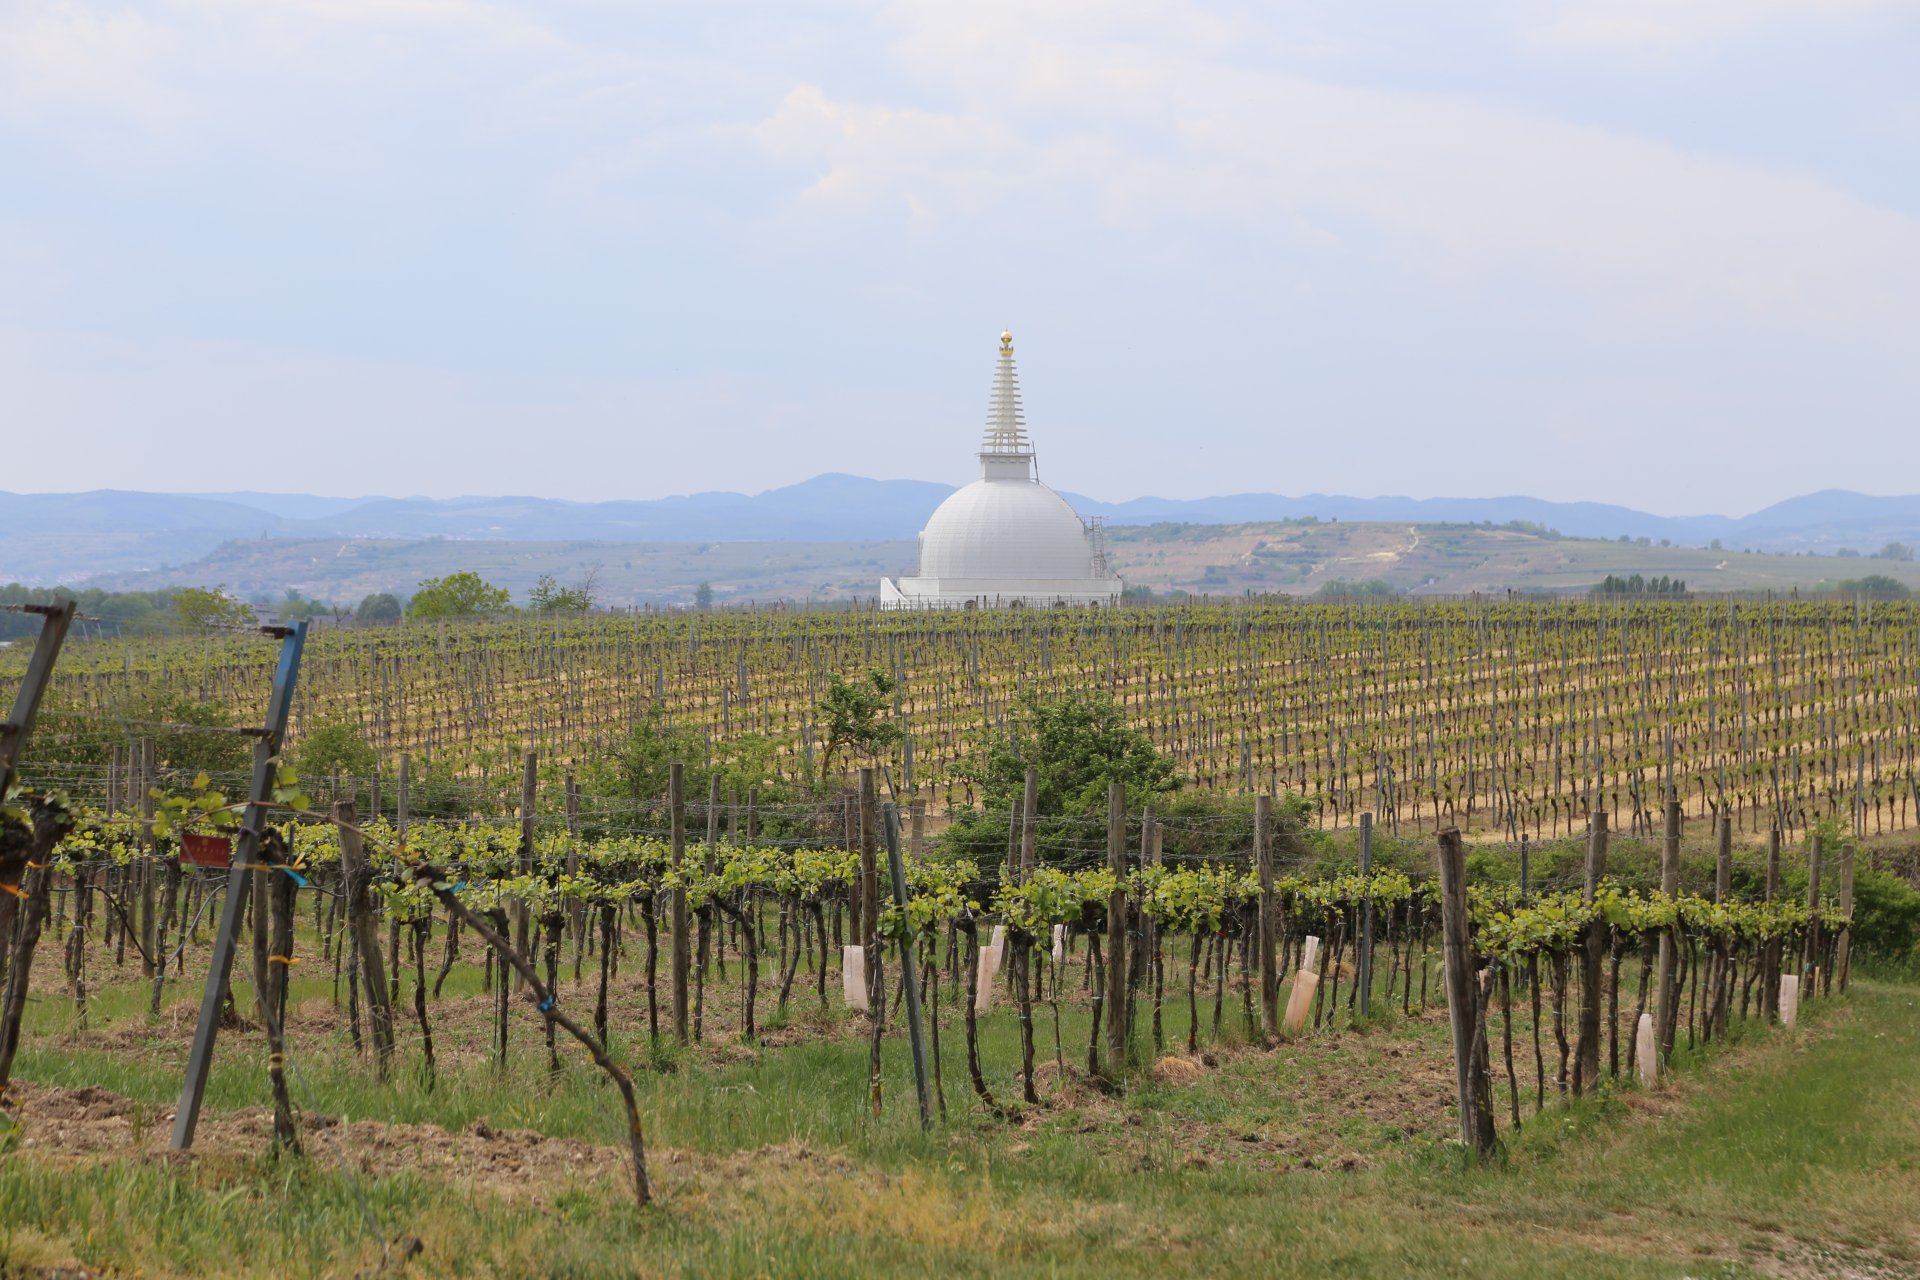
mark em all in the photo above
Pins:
pixel 1006 538
pixel 1004 528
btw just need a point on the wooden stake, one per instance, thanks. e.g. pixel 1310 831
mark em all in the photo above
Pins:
pixel 1472 1079
pixel 1586 1061
pixel 677 809
pixel 1116 994
pixel 1267 930
pixel 1667 1001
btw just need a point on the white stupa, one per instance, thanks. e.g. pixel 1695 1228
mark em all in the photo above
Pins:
pixel 1006 538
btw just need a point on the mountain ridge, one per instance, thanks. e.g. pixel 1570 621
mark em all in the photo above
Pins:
pixel 73 537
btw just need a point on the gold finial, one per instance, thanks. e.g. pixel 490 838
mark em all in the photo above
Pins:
pixel 1006 339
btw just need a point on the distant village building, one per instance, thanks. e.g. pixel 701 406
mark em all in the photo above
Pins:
pixel 1006 538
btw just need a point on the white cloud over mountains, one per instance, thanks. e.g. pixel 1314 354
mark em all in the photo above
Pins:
pixel 1600 249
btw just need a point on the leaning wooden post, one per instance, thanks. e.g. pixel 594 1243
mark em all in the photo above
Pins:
pixel 1842 959
pixel 677 902
pixel 870 935
pixel 916 1032
pixel 439 880
pixel 1667 1005
pixel 1471 1078
pixel 266 758
pixel 1266 934
pixel 1116 994
pixel 1770 949
pixel 55 620
pixel 1364 967
pixel 1586 1058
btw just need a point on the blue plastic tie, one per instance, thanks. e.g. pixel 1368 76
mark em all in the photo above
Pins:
pixel 546 1006
pixel 297 877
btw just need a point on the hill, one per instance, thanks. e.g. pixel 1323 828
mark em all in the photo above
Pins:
pixel 78 537
pixel 1294 557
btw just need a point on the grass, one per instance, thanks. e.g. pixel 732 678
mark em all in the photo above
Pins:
pixel 1782 1154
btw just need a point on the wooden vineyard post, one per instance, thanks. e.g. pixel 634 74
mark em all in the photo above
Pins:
pixel 1364 968
pixel 149 948
pixel 1843 945
pixel 253 825
pixel 1770 959
pixel 1586 1060
pixel 523 914
pixel 1150 925
pixel 1266 932
pixel 870 935
pixel 23 912
pixel 1816 937
pixel 401 816
pixel 1116 993
pixel 1029 824
pixel 707 926
pixel 917 827
pixel 14 731
pixel 1139 964
pixel 1667 1004
pixel 55 619
pixel 677 902
pixel 577 909
pixel 1722 953
pixel 850 805
pixel 1024 857
pixel 357 879
pixel 1471 1073
pixel 916 1031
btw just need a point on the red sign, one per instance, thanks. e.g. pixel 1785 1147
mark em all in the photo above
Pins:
pixel 206 851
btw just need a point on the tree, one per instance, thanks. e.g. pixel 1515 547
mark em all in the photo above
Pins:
pixel 703 596
pixel 853 711
pixel 1370 589
pixel 295 606
pixel 644 761
pixel 1078 744
pixel 548 596
pixel 188 736
pixel 1894 551
pixel 380 607
pixel 458 595
pixel 199 607
pixel 1877 585
pixel 335 746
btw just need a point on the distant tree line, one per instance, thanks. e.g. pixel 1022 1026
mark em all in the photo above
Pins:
pixel 1877 585
pixel 457 595
pixel 1637 585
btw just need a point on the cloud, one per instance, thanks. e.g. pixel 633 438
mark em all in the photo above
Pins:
pixel 1163 140
pixel 1664 28
pixel 783 228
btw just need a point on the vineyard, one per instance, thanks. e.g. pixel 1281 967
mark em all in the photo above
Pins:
pixel 693 1004
pixel 1496 718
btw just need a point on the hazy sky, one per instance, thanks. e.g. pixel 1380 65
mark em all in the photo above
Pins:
pixel 1658 252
